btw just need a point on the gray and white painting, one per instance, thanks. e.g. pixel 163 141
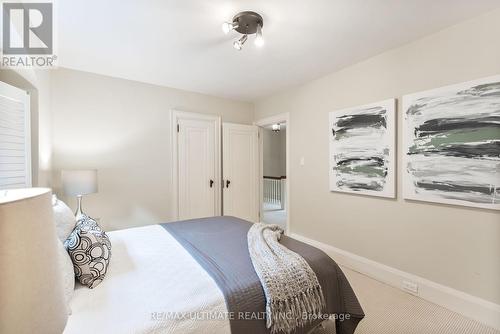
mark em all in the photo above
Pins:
pixel 362 156
pixel 452 144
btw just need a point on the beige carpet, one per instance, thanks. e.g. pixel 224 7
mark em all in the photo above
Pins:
pixel 274 215
pixel 392 311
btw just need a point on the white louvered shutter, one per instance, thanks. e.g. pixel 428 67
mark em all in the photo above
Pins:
pixel 15 142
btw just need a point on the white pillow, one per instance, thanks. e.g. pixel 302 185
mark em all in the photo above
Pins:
pixel 68 273
pixel 64 218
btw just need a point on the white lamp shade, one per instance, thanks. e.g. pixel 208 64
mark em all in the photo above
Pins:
pixel 79 182
pixel 31 289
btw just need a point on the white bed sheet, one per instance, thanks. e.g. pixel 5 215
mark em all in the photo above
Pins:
pixel 150 274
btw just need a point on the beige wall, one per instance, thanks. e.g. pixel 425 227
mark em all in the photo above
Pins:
pixel 122 128
pixel 274 152
pixel 37 83
pixel 455 246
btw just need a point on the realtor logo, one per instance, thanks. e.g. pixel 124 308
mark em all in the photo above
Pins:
pixel 28 35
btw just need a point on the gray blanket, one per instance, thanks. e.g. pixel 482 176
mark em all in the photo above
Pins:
pixel 220 246
pixel 290 285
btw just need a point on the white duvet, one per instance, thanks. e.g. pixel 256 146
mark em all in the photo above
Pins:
pixel 153 285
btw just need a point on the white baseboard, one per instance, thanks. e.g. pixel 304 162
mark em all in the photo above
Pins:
pixel 470 306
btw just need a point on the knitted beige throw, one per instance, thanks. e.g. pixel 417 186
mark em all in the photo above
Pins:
pixel 291 287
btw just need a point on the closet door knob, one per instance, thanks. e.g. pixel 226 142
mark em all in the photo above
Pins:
pixel 211 183
pixel 227 183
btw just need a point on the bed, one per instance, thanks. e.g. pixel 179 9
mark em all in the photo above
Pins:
pixel 195 276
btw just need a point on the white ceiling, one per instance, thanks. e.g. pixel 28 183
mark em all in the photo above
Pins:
pixel 180 44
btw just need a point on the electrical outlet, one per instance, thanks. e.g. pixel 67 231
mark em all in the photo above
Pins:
pixel 410 287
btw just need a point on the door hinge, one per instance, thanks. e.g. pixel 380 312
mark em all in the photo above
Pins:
pixel 178 128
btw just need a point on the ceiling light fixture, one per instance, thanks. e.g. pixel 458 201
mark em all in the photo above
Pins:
pixel 276 127
pixel 246 23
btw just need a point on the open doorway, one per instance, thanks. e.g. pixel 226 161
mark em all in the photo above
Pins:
pixel 274 170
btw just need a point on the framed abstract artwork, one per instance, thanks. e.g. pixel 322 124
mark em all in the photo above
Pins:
pixel 362 149
pixel 451 144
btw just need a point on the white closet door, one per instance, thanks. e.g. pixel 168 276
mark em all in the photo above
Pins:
pixel 240 171
pixel 15 143
pixel 197 179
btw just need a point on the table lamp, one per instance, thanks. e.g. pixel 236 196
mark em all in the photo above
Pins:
pixel 31 284
pixel 78 183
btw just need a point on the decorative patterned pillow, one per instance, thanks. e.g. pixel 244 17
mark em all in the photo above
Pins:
pixel 90 250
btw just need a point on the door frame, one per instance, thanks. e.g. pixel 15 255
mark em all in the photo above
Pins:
pixel 280 118
pixel 175 116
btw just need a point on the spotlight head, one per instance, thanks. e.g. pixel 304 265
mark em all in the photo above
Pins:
pixel 238 44
pixel 259 40
pixel 227 27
